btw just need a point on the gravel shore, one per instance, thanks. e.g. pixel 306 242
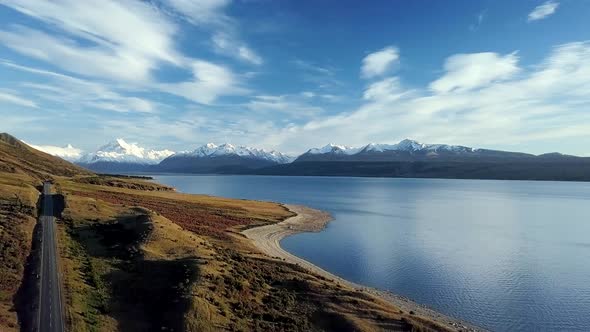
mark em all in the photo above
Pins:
pixel 267 238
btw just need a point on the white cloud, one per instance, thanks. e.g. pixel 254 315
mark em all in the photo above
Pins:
pixel 321 75
pixel 380 62
pixel 209 82
pixel 200 11
pixel 124 40
pixel 126 105
pixel 324 97
pixel 295 106
pixel 67 152
pixel 78 93
pixel 225 39
pixel 226 44
pixel 542 11
pixel 316 69
pixel 68 55
pixel 385 90
pixel 470 71
pixel 17 100
pixel 132 25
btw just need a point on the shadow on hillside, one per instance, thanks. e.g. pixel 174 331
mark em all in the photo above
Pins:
pixel 143 295
pixel 156 291
pixel 27 297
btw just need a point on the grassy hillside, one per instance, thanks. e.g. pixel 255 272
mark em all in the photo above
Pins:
pixel 18 158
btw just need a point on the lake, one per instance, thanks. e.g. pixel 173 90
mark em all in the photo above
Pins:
pixel 504 255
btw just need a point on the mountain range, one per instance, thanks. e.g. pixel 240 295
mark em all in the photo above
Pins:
pixel 121 156
pixel 408 158
pixel 411 151
pixel 224 158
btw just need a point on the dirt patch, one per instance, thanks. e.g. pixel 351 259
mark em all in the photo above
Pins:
pixel 123 182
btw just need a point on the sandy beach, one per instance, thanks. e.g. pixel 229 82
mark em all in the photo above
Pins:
pixel 267 238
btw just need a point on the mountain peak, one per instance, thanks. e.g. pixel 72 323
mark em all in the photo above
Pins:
pixel 408 144
pixel 334 148
pixel 121 142
pixel 119 150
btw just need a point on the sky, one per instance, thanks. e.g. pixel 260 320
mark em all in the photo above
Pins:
pixel 295 74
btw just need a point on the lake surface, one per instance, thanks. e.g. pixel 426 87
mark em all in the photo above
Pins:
pixel 504 255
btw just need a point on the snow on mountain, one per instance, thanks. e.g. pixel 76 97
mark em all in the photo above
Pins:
pixel 213 150
pixel 404 145
pixel 120 151
pixel 333 148
pixel 379 147
pixel 413 146
pixel 67 152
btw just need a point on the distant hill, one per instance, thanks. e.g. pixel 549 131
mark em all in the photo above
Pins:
pixel 18 157
pixel 549 170
pixel 578 170
pixel 409 158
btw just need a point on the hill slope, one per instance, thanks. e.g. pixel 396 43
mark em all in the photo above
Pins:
pixel 575 170
pixel 17 157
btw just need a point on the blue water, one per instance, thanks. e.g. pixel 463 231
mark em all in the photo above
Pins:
pixel 504 255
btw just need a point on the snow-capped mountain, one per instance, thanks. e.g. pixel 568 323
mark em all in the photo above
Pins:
pixel 406 150
pixel 67 152
pixel 119 155
pixel 121 151
pixel 212 150
pixel 221 158
pixel 413 146
pixel 336 149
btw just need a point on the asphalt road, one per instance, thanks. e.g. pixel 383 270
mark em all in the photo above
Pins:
pixel 50 305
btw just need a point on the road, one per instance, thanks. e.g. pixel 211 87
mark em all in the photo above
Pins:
pixel 50 305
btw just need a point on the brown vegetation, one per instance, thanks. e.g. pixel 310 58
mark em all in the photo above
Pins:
pixel 122 182
pixel 17 212
pixel 200 218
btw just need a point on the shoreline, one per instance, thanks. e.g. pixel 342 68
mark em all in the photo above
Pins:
pixel 267 239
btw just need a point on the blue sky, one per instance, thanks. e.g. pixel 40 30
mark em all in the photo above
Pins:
pixel 290 75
